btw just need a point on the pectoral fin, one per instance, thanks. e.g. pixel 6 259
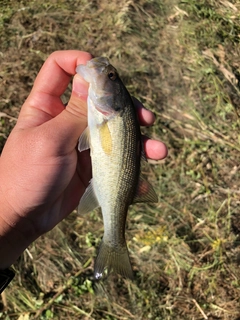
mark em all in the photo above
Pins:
pixel 145 192
pixel 84 140
pixel 88 201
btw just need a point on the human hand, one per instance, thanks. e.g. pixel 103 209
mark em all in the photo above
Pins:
pixel 42 175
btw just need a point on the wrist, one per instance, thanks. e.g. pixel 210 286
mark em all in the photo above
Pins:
pixel 12 245
pixel 15 234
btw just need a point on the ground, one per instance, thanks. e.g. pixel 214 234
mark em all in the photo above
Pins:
pixel 182 60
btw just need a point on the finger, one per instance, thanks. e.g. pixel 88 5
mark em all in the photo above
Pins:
pixel 146 117
pixel 44 101
pixel 65 129
pixel 57 71
pixel 154 149
pixel 72 121
pixel 78 101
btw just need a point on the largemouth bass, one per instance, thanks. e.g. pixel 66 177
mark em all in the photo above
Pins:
pixel 114 138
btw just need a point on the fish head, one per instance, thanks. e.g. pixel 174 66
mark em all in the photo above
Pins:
pixel 106 91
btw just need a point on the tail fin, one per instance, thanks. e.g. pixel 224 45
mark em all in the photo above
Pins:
pixel 112 260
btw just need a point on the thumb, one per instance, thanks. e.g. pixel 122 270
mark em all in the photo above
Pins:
pixel 77 104
pixel 72 121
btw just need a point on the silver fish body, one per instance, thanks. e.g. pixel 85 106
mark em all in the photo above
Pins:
pixel 114 138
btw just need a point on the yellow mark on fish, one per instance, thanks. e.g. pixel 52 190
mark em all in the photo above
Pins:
pixel 105 138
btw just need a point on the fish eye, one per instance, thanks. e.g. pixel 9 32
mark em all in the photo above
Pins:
pixel 112 75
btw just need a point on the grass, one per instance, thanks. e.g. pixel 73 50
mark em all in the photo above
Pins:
pixel 181 58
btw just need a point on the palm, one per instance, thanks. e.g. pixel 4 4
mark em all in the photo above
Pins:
pixel 65 188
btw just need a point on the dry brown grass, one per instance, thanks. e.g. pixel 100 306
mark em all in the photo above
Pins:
pixel 181 58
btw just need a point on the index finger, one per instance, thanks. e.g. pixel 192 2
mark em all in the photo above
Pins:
pixel 57 71
pixel 44 102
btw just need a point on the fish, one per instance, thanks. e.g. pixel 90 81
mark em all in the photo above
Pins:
pixel 114 138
